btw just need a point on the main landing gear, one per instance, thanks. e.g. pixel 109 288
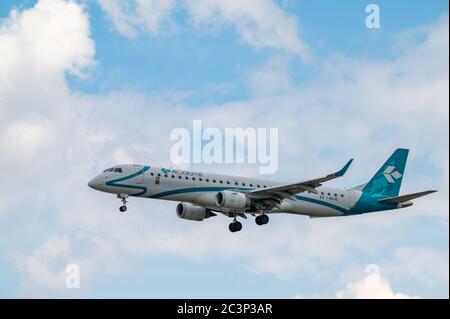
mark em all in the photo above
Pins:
pixel 261 219
pixel 123 197
pixel 235 225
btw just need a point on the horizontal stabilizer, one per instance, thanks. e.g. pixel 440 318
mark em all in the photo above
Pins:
pixel 405 198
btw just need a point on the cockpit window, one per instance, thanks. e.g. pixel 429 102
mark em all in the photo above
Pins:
pixel 118 170
pixel 108 170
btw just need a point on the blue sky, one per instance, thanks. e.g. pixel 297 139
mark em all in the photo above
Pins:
pixel 85 86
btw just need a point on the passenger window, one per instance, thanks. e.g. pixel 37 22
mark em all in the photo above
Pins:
pixel 187 177
pixel 173 176
pixel 200 179
pixel 207 180
pixel 251 185
pixel 193 178
pixel 220 182
pixel 236 183
pixel 152 174
pixel 165 175
pixel 228 182
pixel 179 177
pixel 214 180
pixel 257 186
pixel 243 184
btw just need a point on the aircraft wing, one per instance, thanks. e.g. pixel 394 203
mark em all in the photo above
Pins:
pixel 288 190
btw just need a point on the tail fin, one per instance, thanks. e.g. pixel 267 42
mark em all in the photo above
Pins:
pixel 387 180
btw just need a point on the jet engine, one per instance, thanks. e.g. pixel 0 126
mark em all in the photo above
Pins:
pixel 192 212
pixel 232 200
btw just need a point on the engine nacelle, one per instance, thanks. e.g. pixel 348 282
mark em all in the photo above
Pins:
pixel 191 212
pixel 232 200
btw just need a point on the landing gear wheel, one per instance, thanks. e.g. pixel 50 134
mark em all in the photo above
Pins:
pixel 235 226
pixel 123 198
pixel 261 219
pixel 264 219
pixel 258 220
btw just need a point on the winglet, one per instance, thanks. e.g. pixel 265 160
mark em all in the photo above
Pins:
pixel 344 169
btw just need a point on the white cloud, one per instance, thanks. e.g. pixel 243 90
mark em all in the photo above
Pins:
pixel 426 265
pixel 121 156
pixel 23 139
pixel 41 42
pixel 121 16
pixel 271 77
pixel 259 23
pixel 44 269
pixel 39 47
pixel 154 13
pixel 371 287
pixel 131 17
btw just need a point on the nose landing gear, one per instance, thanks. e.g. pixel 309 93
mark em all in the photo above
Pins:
pixel 123 197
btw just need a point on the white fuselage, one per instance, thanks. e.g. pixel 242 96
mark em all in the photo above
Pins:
pixel 201 189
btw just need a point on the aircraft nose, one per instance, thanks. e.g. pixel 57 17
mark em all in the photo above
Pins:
pixel 93 183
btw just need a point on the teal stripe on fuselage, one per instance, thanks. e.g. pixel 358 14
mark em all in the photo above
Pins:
pixel 142 189
pixel 195 190
pixel 368 204
pixel 320 202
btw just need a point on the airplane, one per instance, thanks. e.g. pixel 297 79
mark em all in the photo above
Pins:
pixel 204 195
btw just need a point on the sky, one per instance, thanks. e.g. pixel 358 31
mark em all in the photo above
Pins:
pixel 89 84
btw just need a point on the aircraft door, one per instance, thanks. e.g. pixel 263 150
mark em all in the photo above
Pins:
pixel 139 179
